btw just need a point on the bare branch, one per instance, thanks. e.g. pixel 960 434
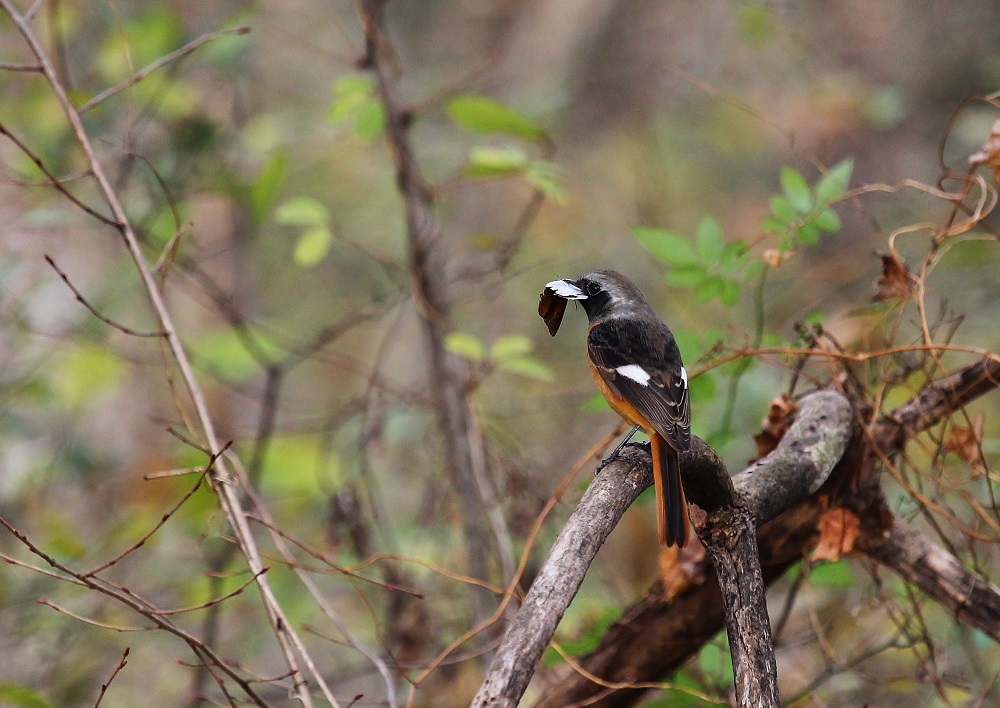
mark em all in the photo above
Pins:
pixel 158 64
pixel 283 630
pixel 104 686
pixel 93 310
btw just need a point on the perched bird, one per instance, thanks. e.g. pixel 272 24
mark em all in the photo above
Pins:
pixel 637 366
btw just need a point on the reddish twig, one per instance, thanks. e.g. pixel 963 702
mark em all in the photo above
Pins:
pixel 104 686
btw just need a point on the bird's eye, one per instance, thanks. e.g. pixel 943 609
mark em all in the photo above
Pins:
pixel 593 288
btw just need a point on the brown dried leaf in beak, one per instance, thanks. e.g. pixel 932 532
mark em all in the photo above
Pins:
pixel 551 308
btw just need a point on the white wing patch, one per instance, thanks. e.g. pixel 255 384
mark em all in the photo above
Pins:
pixel 684 378
pixel 634 372
pixel 566 290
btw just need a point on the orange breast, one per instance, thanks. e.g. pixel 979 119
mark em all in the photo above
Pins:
pixel 620 405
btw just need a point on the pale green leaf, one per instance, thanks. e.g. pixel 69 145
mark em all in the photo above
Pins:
pixel 264 190
pixel 18 695
pixel 529 367
pixel 685 276
pixel 710 240
pixel 545 177
pixel 351 94
pixel 312 246
pixel 730 292
pixel 827 220
pixel 482 114
pixel 667 246
pixel 783 211
pixel 465 345
pixel 796 190
pixel 496 162
pixel 833 184
pixel 301 211
pixel 510 346
pixel 808 234
pixel 709 288
pixel 370 121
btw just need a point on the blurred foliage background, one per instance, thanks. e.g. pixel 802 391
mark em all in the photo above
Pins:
pixel 255 166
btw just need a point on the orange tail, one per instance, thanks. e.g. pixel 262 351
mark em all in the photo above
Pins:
pixel 671 506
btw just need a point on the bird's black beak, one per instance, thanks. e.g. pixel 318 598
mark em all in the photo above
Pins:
pixel 552 301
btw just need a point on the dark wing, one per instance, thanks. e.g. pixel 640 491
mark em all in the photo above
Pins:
pixel 640 361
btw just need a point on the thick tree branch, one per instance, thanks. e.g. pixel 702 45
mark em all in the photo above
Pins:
pixel 805 452
pixel 657 634
pixel 905 550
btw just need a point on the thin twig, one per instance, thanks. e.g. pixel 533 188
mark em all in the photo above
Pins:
pixel 53 180
pixel 287 638
pixel 93 310
pixel 158 64
pixel 104 686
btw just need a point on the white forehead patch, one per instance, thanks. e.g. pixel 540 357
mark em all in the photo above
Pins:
pixel 634 372
pixel 566 290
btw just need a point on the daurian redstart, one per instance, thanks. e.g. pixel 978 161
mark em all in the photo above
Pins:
pixel 637 366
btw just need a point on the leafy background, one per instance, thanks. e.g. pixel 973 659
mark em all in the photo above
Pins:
pixel 682 143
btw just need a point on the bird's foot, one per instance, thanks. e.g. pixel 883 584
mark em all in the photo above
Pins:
pixel 614 455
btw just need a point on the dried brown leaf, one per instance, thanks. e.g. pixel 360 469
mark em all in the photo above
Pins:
pixel 775 424
pixel 838 531
pixel 896 281
pixel 967 443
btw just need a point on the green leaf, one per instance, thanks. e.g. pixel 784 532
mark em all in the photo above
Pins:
pixel 710 287
pixel 773 224
pixel 794 185
pixel 301 211
pixel 753 271
pixel 496 162
pixel 808 233
pixel 18 695
pixel 356 101
pixel 225 353
pixel 710 240
pixel 703 388
pixel 312 246
pixel 545 177
pixel 465 345
pixel 668 246
pixel 832 575
pixel 350 95
pixel 833 184
pixel 730 292
pixel 733 256
pixel 685 276
pixel 482 114
pixel 528 366
pixel 827 220
pixel 370 120
pixel 783 210
pixel 266 186
pixel 510 346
